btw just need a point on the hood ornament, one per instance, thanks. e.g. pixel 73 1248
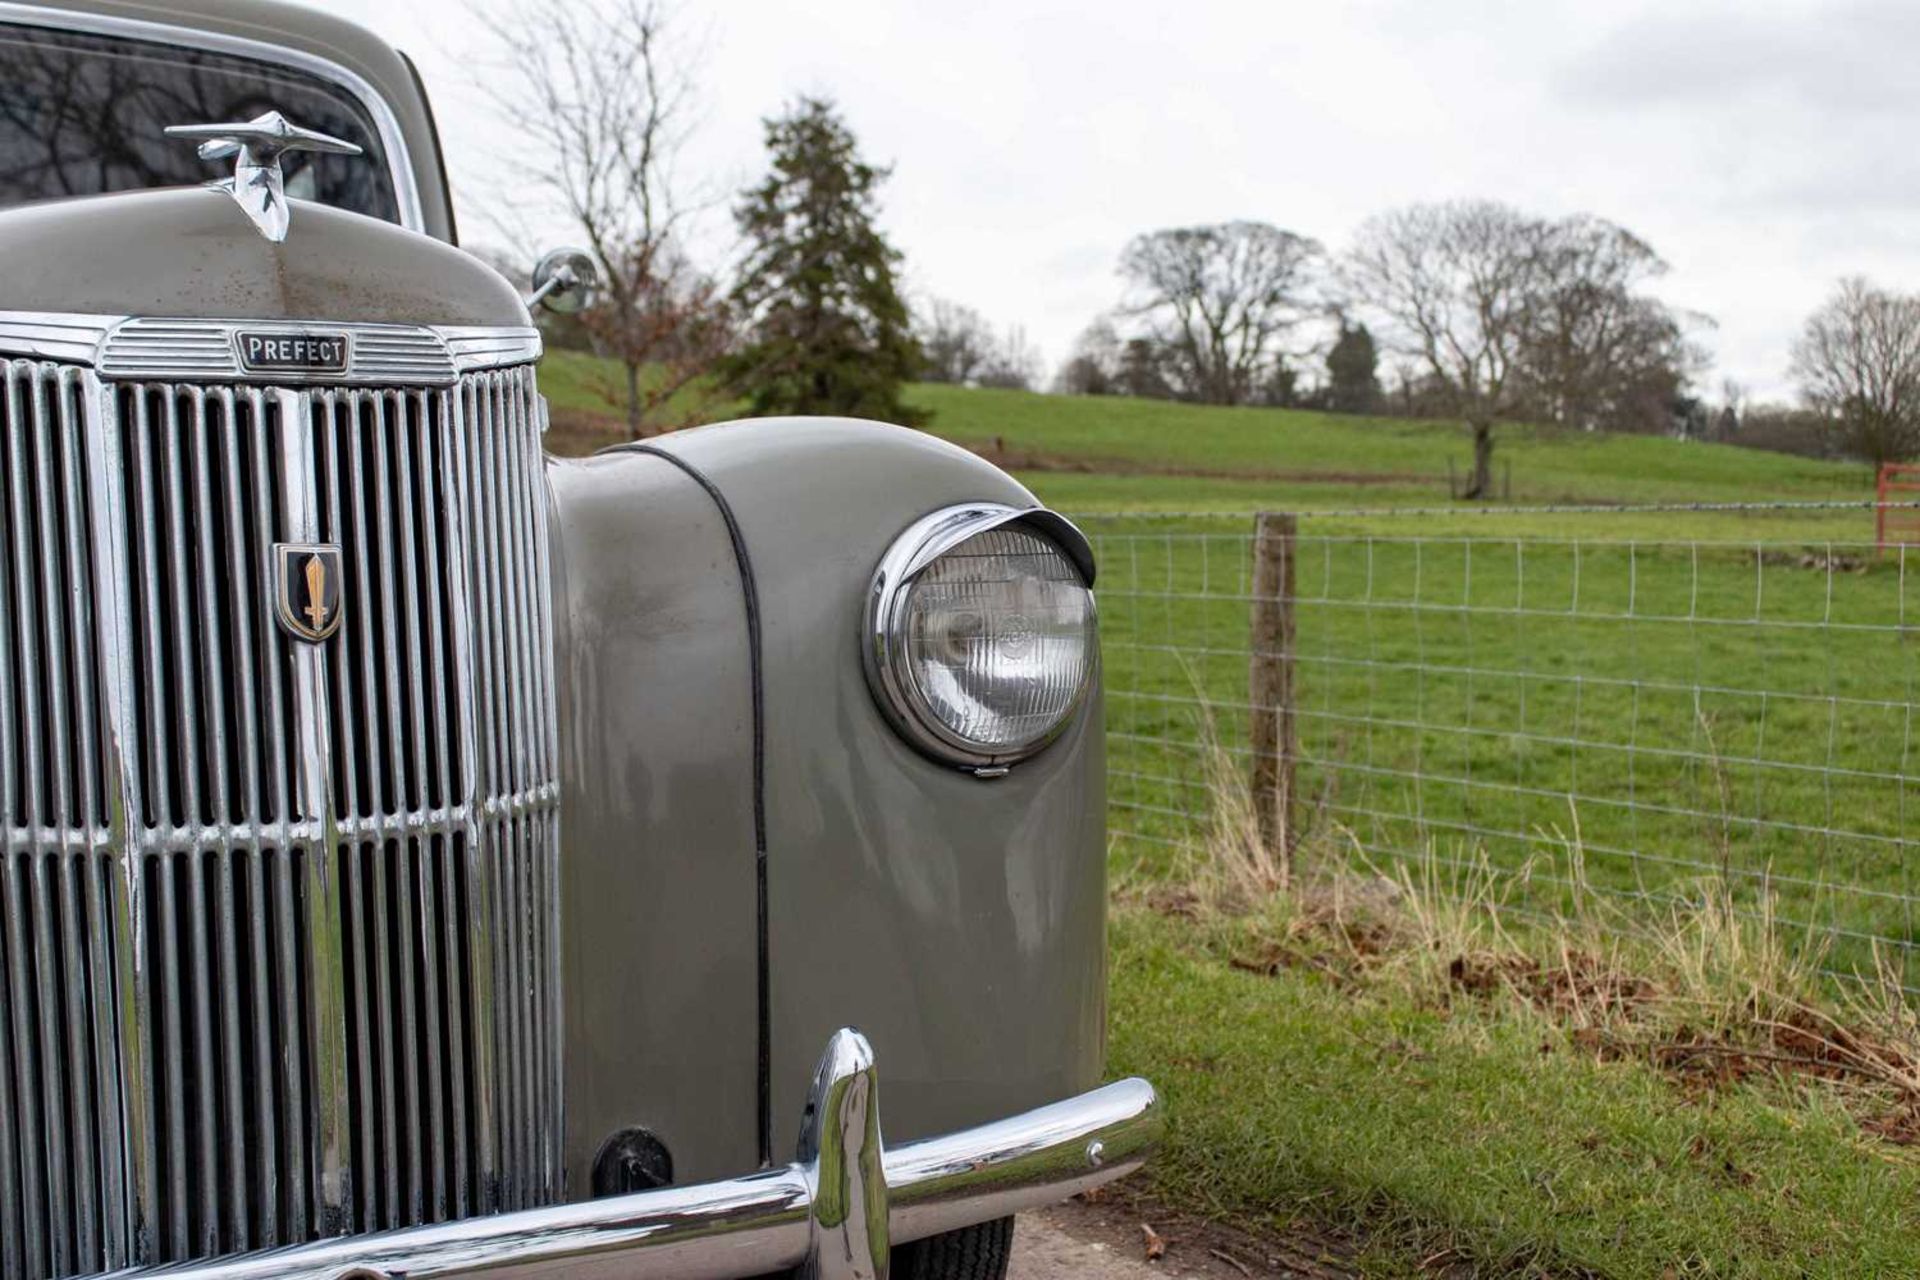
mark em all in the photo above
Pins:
pixel 256 148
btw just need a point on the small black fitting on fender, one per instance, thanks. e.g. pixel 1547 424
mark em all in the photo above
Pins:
pixel 631 1160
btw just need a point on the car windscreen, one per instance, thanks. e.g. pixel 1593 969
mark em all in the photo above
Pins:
pixel 83 114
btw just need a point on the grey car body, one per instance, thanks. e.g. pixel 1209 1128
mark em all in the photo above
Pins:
pixel 749 856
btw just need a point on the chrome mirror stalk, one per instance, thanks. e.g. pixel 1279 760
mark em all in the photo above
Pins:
pixel 565 282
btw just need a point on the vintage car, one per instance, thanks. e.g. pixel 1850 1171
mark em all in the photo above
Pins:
pixel 423 855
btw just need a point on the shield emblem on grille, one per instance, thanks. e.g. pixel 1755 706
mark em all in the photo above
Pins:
pixel 306 590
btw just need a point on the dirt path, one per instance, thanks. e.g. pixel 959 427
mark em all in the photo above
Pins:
pixel 1043 1249
pixel 1108 1241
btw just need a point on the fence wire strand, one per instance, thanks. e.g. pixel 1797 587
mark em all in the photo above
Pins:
pixel 1732 713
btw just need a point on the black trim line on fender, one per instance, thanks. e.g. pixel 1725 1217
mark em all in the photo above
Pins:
pixel 744 563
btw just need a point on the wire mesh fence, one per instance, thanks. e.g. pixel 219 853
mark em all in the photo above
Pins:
pixel 1677 714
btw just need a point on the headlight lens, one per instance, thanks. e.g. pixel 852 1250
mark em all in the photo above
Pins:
pixel 982 632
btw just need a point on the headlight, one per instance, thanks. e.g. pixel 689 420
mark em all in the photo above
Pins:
pixel 980 632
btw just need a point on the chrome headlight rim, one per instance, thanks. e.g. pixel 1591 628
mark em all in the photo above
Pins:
pixel 889 673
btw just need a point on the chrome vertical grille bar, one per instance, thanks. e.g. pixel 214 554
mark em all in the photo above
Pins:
pixel 266 410
pixel 84 1207
pixel 155 875
pixel 57 812
pixel 435 493
pixel 188 644
pixel 493 974
pixel 29 1066
pixel 394 872
pixel 471 639
pixel 274 1074
pixel 410 420
pixel 122 1034
pixel 351 801
pixel 317 859
pixel 59 1205
pixel 210 429
pixel 512 852
pixel 382 727
pixel 255 1216
pixel 22 818
pixel 501 782
pixel 20 1002
pixel 15 1185
pixel 380 1162
pixel 507 548
pixel 72 580
pixel 90 969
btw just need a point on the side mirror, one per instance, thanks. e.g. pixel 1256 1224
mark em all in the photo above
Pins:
pixel 565 282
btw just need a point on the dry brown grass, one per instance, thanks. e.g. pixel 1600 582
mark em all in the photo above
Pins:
pixel 1711 991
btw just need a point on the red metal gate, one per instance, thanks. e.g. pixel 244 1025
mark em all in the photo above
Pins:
pixel 1897 522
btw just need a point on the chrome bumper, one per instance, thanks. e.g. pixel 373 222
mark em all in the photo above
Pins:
pixel 834 1213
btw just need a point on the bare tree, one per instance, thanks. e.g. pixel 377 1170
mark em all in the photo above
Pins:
pixel 1012 363
pixel 1600 354
pixel 1142 370
pixel 1732 412
pixel 1791 429
pixel 1733 396
pixel 604 101
pixel 1094 368
pixel 960 347
pixel 955 341
pixel 1512 316
pixel 1456 284
pixel 1218 300
pixel 1858 365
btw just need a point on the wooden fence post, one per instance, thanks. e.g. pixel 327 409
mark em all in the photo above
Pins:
pixel 1270 678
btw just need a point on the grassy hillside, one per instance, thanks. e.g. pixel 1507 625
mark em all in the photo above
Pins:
pixel 1113 454
pixel 1393 459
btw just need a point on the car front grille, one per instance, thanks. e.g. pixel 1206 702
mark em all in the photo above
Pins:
pixel 277 920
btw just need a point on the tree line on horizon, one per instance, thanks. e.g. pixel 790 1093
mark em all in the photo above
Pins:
pixel 1493 315
pixel 1489 315
pixel 1468 310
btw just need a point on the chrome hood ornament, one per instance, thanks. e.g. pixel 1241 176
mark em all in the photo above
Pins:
pixel 256 148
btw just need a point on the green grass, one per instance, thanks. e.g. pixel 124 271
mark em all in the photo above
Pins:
pixel 1483 1133
pixel 1297 459
pixel 1126 455
pixel 574 380
pixel 1684 712
pixel 587 396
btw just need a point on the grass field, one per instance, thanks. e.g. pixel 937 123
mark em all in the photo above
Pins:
pixel 1455 1138
pixel 1663 707
pixel 1118 454
pixel 1091 455
pixel 1666 713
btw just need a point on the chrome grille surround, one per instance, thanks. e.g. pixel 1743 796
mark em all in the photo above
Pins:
pixel 278 921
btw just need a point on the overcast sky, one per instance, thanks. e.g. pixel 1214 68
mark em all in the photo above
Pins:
pixel 1763 149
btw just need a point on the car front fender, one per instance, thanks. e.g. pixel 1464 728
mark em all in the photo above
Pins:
pixel 958 922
